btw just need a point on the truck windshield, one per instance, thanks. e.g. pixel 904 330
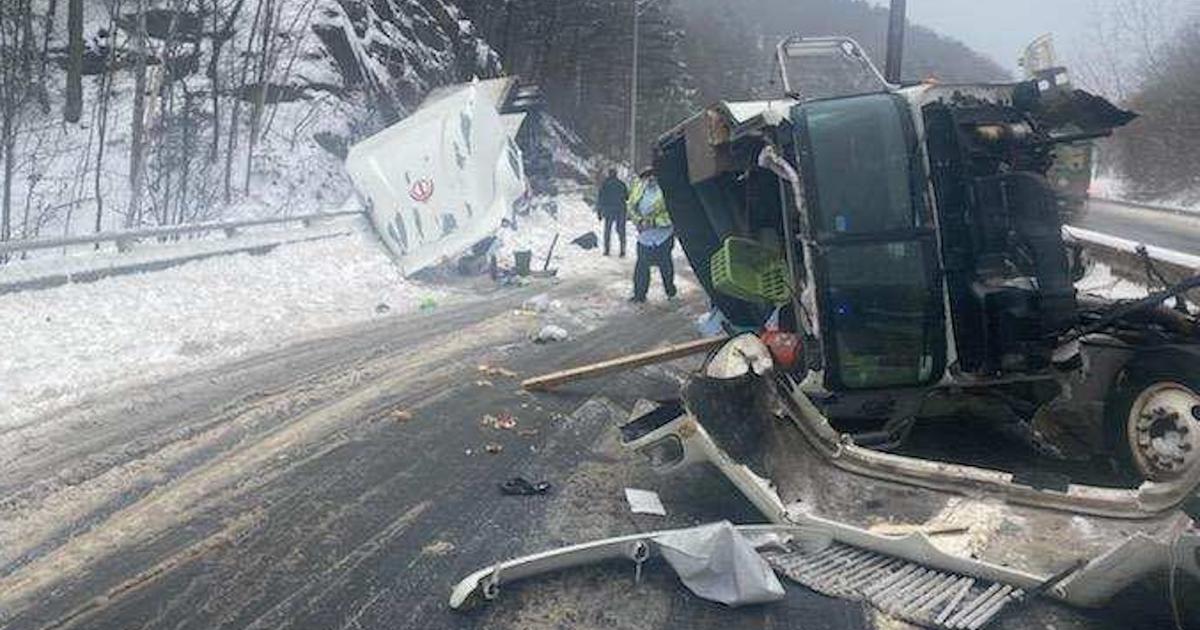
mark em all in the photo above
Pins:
pixel 862 159
pixel 881 307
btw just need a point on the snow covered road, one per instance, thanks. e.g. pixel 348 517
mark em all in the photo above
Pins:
pixel 78 341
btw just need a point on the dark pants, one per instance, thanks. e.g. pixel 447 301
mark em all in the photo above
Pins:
pixel 657 256
pixel 609 223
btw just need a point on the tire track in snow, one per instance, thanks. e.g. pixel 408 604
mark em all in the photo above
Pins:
pixel 240 471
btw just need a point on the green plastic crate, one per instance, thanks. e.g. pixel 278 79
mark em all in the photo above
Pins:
pixel 746 270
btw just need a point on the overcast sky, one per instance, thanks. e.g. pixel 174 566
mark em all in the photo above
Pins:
pixel 1002 28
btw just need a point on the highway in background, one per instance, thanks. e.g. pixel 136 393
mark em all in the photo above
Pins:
pixel 1149 227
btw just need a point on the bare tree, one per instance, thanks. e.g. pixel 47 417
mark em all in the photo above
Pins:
pixel 106 78
pixel 221 34
pixel 235 115
pixel 16 89
pixel 137 136
pixel 74 106
pixel 265 66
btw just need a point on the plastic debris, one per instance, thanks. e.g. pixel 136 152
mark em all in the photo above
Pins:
pixel 587 240
pixel 717 563
pixel 541 303
pixel 504 421
pixel 428 304
pixel 712 323
pixel 401 415
pixel 551 333
pixel 644 502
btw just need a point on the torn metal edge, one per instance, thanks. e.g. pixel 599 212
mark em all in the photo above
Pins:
pixel 1149 500
pixel 1095 583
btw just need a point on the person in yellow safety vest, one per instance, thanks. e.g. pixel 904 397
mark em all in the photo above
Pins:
pixel 647 208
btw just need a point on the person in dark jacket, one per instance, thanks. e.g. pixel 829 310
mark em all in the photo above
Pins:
pixel 610 208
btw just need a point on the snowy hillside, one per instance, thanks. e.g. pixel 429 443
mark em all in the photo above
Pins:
pixel 249 107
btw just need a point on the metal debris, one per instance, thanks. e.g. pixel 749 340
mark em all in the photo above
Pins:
pixel 899 588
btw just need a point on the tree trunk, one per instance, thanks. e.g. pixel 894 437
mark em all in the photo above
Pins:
pixel 264 71
pixel 102 127
pixel 234 117
pixel 220 36
pixel 185 170
pixel 136 165
pixel 9 140
pixel 74 107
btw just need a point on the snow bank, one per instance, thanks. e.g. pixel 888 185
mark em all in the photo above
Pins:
pixel 1117 189
pixel 78 340
pixel 66 342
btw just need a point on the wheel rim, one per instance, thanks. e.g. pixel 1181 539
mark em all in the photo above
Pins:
pixel 1163 430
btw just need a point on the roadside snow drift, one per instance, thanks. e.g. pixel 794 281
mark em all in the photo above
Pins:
pixel 67 342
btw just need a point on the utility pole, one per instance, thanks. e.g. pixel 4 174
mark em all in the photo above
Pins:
pixel 895 41
pixel 633 92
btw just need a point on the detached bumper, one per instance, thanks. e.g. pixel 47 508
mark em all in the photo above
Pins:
pixel 798 471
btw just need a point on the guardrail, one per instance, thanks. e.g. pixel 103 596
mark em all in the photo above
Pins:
pixel 124 239
pixel 1126 257
pixel 1147 206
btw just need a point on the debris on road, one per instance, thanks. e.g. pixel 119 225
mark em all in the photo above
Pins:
pixel 644 502
pixel 485 584
pixel 717 563
pixel 541 303
pixel 496 371
pixel 437 548
pixel 520 486
pixel 587 240
pixel 620 364
pixel 503 420
pixel 402 415
pixel 493 448
pixel 551 334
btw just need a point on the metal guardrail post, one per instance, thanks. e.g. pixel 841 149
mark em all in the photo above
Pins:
pixel 125 239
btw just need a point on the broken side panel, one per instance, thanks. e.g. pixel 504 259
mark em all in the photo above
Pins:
pixel 1007 274
pixel 442 179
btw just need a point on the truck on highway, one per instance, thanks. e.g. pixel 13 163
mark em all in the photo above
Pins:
pixel 891 262
pixel 890 257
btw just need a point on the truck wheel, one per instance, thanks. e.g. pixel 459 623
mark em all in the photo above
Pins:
pixel 1157 414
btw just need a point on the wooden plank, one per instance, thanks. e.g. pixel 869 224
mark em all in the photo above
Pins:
pixel 547 382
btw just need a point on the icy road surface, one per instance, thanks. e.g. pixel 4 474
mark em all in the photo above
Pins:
pixel 69 343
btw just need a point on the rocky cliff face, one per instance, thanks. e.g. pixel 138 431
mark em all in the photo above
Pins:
pixel 249 106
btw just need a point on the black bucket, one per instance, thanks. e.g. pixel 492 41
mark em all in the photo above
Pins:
pixel 522 259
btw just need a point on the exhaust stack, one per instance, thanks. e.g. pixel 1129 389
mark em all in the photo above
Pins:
pixel 895 41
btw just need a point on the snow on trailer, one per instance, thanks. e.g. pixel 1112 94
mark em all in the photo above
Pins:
pixel 444 178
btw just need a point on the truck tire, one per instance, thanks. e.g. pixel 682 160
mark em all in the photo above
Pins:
pixel 1154 416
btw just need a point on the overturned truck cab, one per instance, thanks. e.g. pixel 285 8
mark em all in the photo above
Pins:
pixel 895 253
